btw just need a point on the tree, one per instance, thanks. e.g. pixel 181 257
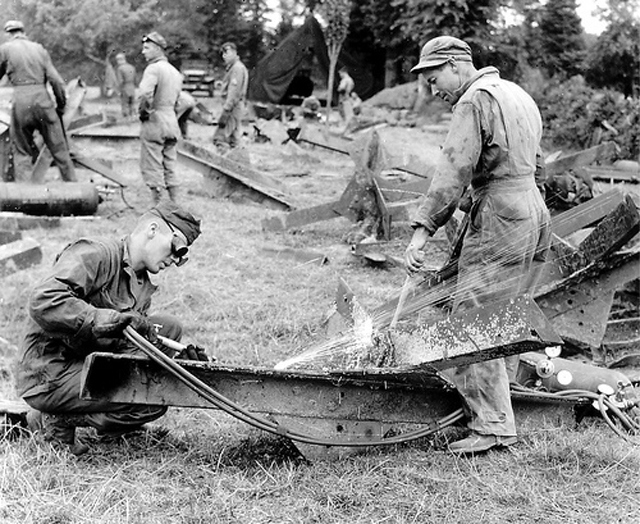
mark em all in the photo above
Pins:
pixel 470 20
pixel 238 21
pixel 562 48
pixel 82 33
pixel 614 60
pixel 336 15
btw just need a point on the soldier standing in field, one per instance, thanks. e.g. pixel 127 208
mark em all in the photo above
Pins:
pixel 29 68
pixel 234 93
pixel 492 151
pixel 126 76
pixel 159 132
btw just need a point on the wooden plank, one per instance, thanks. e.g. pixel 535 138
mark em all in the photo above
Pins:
pixel 600 152
pixel 20 254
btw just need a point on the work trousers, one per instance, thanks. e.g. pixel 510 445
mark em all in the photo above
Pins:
pixel 158 161
pixel 502 256
pixel 33 110
pixel 231 133
pixel 102 414
pixel 128 102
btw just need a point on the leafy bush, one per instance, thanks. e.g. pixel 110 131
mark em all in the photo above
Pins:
pixel 578 116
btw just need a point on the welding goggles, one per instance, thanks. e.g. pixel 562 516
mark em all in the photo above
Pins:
pixel 155 38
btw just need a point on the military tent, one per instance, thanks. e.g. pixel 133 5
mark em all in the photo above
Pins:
pixel 273 78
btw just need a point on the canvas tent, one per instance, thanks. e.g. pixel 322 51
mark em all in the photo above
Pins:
pixel 271 79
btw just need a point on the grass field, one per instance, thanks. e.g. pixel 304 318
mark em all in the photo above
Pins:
pixel 248 307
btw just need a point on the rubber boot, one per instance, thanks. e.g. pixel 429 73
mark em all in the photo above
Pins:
pixel 61 429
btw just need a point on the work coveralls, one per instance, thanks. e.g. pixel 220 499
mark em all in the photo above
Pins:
pixel 126 75
pixel 159 132
pixel 492 146
pixel 87 275
pixel 28 66
pixel 234 93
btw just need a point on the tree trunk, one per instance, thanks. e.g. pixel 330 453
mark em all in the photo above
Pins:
pixel 333 61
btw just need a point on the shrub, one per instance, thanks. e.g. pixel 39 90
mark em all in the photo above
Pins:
pixel 578 116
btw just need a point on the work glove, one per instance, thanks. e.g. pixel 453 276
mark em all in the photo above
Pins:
pixel 193 352
pixel 109 323
pixel 224 118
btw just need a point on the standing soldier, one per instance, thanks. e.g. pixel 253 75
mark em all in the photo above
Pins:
pixel 159 133
pixel 492 148
pixel 28 66
pixel 234 93
pixel 345 89
pixel 126 75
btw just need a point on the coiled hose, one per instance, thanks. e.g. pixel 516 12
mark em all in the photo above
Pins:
pixel 608 410
pixel 237 411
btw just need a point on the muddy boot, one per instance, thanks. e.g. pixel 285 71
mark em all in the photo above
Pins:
pixel 61 428
pixel 174 194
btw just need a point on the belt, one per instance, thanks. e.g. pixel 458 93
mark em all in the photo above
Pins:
pixel 512 183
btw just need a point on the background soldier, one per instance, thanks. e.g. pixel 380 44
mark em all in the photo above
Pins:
pixel 28 66
pixel 234 93
pixel 126 76
pixel 159 133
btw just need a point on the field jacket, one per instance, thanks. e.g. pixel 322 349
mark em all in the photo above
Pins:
pixel 87 275
pixel 234 85
pixel 494 139
pixel 29 68
pixel 159 91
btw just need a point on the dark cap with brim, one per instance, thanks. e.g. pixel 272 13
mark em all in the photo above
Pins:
pixel 179 219
pixel 440 50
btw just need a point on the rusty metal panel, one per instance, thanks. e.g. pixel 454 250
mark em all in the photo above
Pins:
pixel 506 328
pixel 255 185
pixel 578 307
pixel 416 397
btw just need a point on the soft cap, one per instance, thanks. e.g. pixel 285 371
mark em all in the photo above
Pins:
pixel 438 50
pixel 13 25
pixel 179 218
pixel 156 38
